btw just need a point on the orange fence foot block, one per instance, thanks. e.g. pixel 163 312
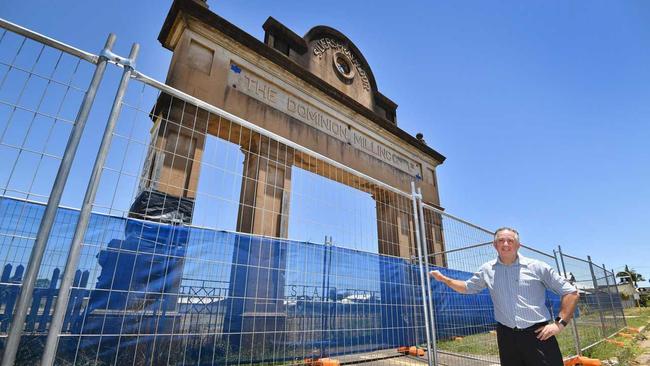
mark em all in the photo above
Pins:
pixel 404 349
pixel 584 361
pixel 625 335
pixel 414 351
pixel 322 362
pixel 458 338
pixel 330 362
pixel 634 330
pixel 618 343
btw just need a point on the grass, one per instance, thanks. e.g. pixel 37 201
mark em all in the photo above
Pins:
pixel 636 317
pixel 589 330
pixel 475 344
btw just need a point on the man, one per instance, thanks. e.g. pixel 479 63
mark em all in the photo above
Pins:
pixel 517 285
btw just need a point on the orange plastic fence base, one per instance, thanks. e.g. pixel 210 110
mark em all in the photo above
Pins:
pixel 625 335
pixel 634 330
pixel 323 362
pixel 618 343
pixel 584 361
pixel 404 349
pixel 413 350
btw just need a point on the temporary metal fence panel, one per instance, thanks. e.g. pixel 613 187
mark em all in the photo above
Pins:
pixel 593 319
pixel 41 89
pixel 610 318
pixel 46 93
pixel 464 324
pixel 617 301
pixel 196 258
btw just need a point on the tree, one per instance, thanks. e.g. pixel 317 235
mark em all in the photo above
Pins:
pixel 630 274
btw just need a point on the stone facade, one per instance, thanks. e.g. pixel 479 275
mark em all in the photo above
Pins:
pixel 318 91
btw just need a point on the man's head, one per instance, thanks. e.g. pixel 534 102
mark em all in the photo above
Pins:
pixel 506 242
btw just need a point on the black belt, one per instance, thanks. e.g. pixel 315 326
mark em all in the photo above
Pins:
pixel 529 329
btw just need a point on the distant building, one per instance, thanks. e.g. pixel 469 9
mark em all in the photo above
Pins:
pixel 627 292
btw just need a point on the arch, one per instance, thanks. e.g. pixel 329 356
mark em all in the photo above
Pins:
pixel 322 31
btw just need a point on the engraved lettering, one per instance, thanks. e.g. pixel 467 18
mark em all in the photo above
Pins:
pixel 302 111
pixel 263 91
pixel 273 96
pixel 326 43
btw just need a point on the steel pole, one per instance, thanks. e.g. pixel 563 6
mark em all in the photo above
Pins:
pixel 45 227
pixel 600 307
pixel 611 299
pixel 60 307
pixel 576 335
pixel 425 251
pixel 618 296
pixel 559 271
pixel 414 197
pixel 557 264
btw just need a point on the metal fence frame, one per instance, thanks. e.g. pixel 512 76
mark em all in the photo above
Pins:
pixel 129 72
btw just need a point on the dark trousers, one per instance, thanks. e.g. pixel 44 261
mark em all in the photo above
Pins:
pixel 520 347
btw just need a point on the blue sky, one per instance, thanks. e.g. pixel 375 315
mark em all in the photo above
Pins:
pixel 541 108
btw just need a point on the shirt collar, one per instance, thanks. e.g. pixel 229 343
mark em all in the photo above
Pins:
pixel 519 260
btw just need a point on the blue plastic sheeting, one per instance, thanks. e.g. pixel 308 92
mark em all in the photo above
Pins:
pixel 460 314
pixel 159 294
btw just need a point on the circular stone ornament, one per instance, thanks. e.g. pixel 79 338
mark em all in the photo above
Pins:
pixel 343 66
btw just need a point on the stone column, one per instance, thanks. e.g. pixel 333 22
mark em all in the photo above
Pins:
pixel 435 237
pixel 257 309
pixel 394 225
pixel 396 238
pixel 170 175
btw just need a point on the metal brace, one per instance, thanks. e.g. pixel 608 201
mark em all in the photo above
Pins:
pixel 113 57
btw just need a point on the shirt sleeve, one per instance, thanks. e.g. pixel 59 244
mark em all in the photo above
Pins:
pixel 476 283
pixel 554 282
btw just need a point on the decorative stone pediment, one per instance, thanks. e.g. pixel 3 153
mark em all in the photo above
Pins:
pixel 343 60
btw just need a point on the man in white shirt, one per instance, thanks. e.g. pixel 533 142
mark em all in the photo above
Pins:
pixel 517 286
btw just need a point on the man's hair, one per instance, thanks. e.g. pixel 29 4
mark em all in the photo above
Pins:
pixel 504 229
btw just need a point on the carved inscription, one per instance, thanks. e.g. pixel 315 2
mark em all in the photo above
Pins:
pixel 325 44
pixel 262 90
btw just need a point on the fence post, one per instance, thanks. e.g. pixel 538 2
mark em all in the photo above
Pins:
pixel 576 335
pixel 611 299
pixel 618 297
pixel 425 251
pixel 72 261
pixel 45 227
pixel 600 308
pixel 414 198
pixel 557 264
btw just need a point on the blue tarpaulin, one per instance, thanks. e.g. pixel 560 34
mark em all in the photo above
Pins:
pixel 165 294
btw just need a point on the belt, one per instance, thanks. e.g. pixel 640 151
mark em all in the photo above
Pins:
pixel 529 329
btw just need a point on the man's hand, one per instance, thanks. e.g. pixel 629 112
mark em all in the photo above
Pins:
pixel 438 276
pixel 548 331
pixel 456 285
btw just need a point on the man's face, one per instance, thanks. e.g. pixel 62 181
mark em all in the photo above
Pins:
pixel 506 244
